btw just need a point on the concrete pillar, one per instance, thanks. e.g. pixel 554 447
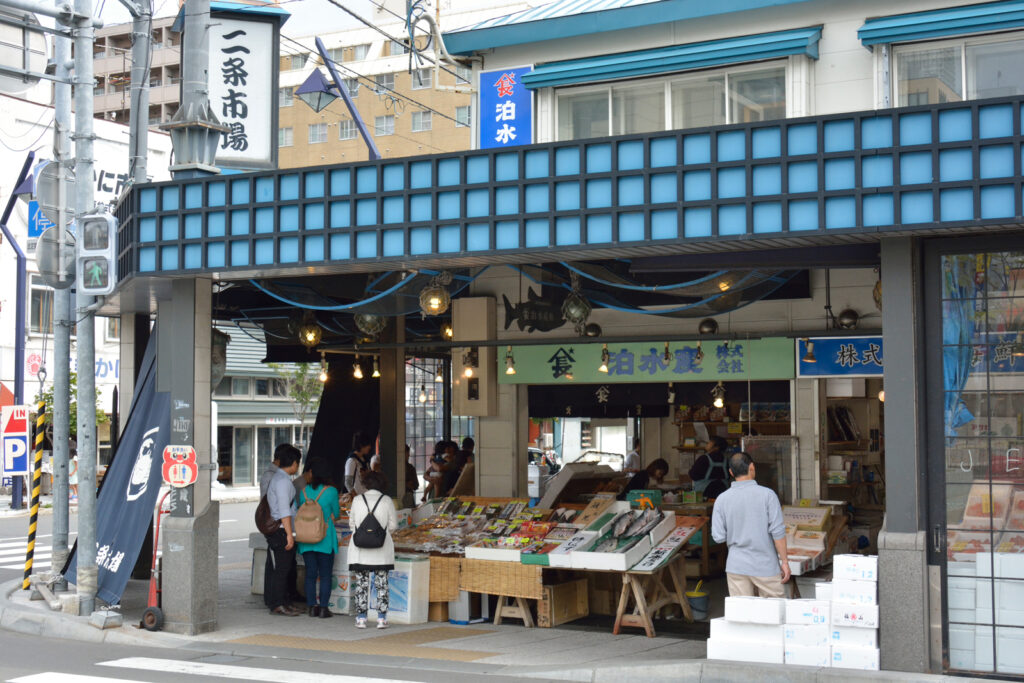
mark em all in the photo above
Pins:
pixel 902 548
pixel 190 534
pixel 501 444
pixel 392 408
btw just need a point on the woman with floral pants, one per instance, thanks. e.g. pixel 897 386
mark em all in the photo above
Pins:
pixel 377 561
pixel 362 596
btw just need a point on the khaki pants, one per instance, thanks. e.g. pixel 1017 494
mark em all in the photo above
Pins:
pixel 765 586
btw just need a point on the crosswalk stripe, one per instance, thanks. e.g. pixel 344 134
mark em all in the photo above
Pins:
pixel 21 550
pixel 239 672
pixel 57 677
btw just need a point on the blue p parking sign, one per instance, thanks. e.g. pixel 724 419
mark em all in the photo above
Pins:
pixel 37 222
pixel 14 440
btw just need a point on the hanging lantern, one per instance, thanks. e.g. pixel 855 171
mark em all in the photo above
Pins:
pixel 510 363
pixel 323 368
pixel 310 332
pixel 434 298
pixel 369 324
pixel 576 309
pixel 708 326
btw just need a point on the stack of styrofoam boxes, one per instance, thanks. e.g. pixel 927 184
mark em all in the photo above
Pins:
pixel 854 616
pixel 751 631
pixel 962 587
pixel 1007 568
pixel 806 636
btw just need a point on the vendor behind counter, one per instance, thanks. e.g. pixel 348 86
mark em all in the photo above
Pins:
pixel 709 474
pixel 654 474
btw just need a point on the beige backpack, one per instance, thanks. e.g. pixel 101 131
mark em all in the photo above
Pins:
pixel 310 525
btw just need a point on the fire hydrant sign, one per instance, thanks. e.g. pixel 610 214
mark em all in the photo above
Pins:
pixel 180 468
pixel 14 440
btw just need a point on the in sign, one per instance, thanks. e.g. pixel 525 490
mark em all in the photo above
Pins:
pixel 180 468
pixel 14 434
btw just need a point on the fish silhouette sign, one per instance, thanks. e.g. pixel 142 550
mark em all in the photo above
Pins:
pixel 538 312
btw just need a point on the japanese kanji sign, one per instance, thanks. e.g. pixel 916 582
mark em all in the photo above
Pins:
pixel 506 108
pixel 755 359
pixel 840 357
pixel 243 90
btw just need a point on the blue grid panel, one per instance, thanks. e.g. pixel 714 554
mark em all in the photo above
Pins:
pixel 567 231
pixel 366 180
pixel 599 193
pixel 393 210
pixel 664 224
pixel 631 227
pixel 567 161
pixel 840 174
pixel 215 194
pixel 997 201
pixel 803 215
pixel 766 142
pixel 697 222
pixel 341 215
pixel 955 164
pixel 996 161
pixel 147 259
pixel 803 176
pixel 478 237
pixel 194 226
pixel 537 163
pixel 567 196
pixel 289 190
pixel 147 198
pixel 956 205
pixel 168 258
pixel 663 152
pixel 193 256
pixel 147 230
pixel 315 185
pixel 394 178
pixel 995 121
pixel 915 168
pixel 264 223
pixel 215 224
pixel 265 188
pixel 916 129
pixel 955 125
pixel 839 136
pixel 239 253
pixel 664 188
pixel 169 199
pixel 215 255
pixel 477 170
pixel 631 190
pixel 240 191
pixel 341 248
pixel 537 233
pixel 366 244
pixel 478 203
pixel 767 180
pixel 393 242
pixel 876 132
pixel 263 252
pixel 599 229
pixel 449 172
pixel 878 209
pixel 506 167
pixel 631 155
pixel 732 182
pixel 314 215
pixel 194 195
pixel 506 235
pixel 449 239
pixel 916 207
pixel 840 212
pixel 876 171
pixel 732 145
pixel 537 200
pixel 341 182
pixel 696 186
pixel 448 205
pixel 696 149
pixel 288 219
pixel 421 175
pixel 289 248
pixel 802 139
pixel 506 201
pixel 313 248
pixel 366 212
pixel 767 217
pixel 421 207
pixel 732 219
pixel 599 158
pixel 240 222
pixel 421 241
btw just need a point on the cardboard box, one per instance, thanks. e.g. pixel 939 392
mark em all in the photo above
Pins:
pixel 849 657
pixel 855 592
pixel 745 651
pixel 807 518
pixel 801 655
pixel 563 603
pixel 799 564
pixel 855 567
pixel 437 611
pixel 722 629
pixel 807 635
pixel 598 506
pixel 811 540
pixel 755 610
pixel 857 616
pixel 816 612
pixel 823 591
pixel 855 637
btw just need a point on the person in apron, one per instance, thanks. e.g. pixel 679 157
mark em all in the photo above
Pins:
pixel 710 472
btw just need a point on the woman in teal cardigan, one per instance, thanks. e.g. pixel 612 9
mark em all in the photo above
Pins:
pixel 319 557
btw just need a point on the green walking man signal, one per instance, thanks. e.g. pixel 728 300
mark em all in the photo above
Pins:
pixel 97 264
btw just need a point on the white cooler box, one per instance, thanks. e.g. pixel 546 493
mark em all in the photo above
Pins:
pixel 408 590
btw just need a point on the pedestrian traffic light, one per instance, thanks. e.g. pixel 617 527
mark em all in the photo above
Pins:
pixel 97 254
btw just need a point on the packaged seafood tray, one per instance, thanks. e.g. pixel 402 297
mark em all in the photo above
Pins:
pixel 1011 542
pixel 499 549
pixel 1015 520
pixel 962 546
pixel 987 506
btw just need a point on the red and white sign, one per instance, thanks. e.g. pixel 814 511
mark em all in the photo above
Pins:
pixel 180 468
pixel 14 440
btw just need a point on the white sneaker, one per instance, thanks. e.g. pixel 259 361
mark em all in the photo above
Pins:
pixel 360 622
pixel 382 623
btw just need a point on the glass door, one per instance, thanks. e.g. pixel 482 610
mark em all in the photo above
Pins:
pixel 241 468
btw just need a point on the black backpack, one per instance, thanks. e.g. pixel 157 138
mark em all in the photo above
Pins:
pixel 370 534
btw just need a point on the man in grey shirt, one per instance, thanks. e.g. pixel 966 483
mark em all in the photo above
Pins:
pixel 748 518
pixel 281 544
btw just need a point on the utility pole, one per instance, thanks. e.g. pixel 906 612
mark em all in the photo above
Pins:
pixel 84 204
pixel 142 37
pixel 61 311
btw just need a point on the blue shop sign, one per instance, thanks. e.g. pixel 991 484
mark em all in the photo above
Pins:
pixel 506 108
pixel 839 357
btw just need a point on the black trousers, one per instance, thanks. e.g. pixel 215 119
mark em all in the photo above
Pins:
pixel 280 563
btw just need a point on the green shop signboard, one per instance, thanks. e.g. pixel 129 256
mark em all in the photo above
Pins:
pixel 738 360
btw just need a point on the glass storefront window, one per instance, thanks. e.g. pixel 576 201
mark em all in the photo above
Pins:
pixel 583 116
pixel 241 467
pixel 993 70
pixel 983 423
pixel 698 102
pixel 757 96
pixel 264 448
pixel 974 68
pixel 638 110
pixel 929 76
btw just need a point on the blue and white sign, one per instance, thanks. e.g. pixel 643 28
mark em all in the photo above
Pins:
pixel 37 222
pixel 506 108
pixel 839 357
pixel 14 440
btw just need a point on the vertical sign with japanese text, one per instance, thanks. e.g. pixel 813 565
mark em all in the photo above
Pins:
pixel 506 108
pixel 243 90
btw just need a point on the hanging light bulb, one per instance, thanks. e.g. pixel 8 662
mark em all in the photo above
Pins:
pixel 671 394
pixel 323 368
pixel 422 398
pixel 881 395
pixel 605 357
pixel 309 332
pixel 668 354
pixel 435 298
pixel 718 395
pixel 510 363
pixel 448 331
pixel 439 376
pixel 357 369
pixel 809 356
pixel 470 361
pixel 376 368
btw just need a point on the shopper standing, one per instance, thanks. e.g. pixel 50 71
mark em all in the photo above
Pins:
pixel 748 518
pixel 412 480
pixel 357 465
pixel 281 544
pixel 319 557
pixel 632 461
pixel 365 557
pixel 708 472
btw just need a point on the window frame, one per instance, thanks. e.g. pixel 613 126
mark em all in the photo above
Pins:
pixel 386 118
pixel 321 126
pixel 106 328
pixel 424 83
pixel 36 284
pixel 346 124
pixel 379 87
pixel 281 134
pixel 352 85
pixel 292 59
pixel 365 47
pixel 289 99
pixel 469 116
pixel 429 121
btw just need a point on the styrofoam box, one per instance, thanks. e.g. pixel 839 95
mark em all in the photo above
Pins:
pixel 854 592
pixel 857 616
pixel 856 567
pixel 722 629
pixel 854 637
pixel 823 591
pixel 746 651
pixel 801 655
pixel 755 610
pixel 960 593
pixel 800 564
pixel 562 555
pixel 849 657
pixel 808 612
pixel 1009 650
pixel 664 528
pixel 496 554
pixel 613 561
pixel 807 635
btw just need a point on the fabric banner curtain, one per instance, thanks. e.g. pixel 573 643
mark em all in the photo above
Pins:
pixel 958 327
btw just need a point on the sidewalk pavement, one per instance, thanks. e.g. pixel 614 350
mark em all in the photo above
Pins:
pixel 219 492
